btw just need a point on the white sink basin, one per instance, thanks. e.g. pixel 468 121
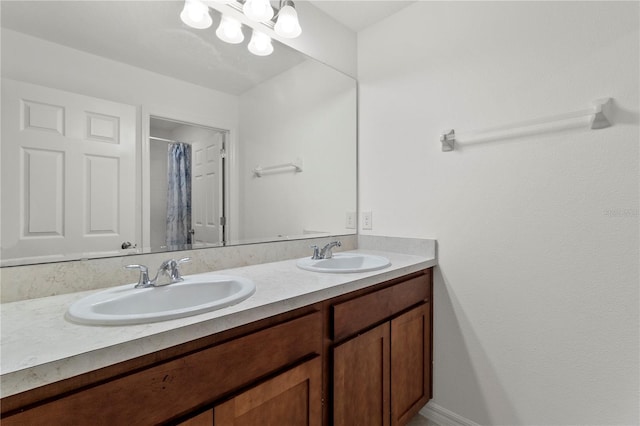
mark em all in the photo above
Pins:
pixel 128 305
pixel 345 263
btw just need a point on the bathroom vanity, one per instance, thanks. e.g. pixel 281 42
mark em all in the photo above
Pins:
pixel 348 349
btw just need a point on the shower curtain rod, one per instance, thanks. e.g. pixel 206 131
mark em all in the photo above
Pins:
pixel 162 139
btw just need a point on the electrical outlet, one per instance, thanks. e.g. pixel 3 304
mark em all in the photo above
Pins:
pixel 351 220
pixel 366 221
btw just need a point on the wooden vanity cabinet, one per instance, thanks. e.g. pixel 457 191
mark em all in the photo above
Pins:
pixel 363 358
pixel 203 419
pixel 173 389
pixel 382 354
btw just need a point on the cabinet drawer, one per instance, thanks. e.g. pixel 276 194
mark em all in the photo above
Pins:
pixel 357 314
pixel 176 387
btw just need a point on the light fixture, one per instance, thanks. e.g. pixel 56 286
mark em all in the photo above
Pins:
pixel 258 10
pixel 260 44
pixel 230 30
pixel 196 14
pixel 287 24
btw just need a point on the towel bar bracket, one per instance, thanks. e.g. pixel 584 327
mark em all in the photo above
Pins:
pixel 448 139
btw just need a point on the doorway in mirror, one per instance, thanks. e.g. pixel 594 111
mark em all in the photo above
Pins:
pixel 187 185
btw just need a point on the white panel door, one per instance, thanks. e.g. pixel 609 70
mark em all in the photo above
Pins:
pixel 69 179
pixel 206 185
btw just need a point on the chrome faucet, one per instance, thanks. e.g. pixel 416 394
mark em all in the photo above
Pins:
pixel 325 252
pixel 168 273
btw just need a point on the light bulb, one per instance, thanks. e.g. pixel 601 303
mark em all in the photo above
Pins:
pixel 260 44
pixel 230 30
pixel 287 24
pixel 258 10
pixel 196 14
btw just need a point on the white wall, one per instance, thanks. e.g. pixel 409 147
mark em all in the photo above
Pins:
pixel 325 39
pixel 318 106
pixel 158 190
pixel 536 295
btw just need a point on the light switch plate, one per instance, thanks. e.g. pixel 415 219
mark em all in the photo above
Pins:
pixel 366 221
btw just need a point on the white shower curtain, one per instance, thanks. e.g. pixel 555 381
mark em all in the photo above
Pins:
pixel 178 196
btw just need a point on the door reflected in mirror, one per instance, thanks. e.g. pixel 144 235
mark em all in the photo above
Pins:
pixel 187 185
pixel 85 87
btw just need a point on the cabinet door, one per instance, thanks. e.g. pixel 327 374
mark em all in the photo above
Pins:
pixel 204 419
pixel 410 363
pixel 292 398
pixel 361 379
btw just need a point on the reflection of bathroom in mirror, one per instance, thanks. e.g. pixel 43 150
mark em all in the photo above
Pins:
pixel 187 185
pixel 82 83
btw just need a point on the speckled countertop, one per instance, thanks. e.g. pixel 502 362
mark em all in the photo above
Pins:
pixel 38 346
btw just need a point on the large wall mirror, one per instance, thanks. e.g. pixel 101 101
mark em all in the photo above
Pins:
pixel 125 131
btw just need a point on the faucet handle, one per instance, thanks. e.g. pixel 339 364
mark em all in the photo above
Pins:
pixel 169 269
pixel 176 275
pixel 143 281
pixel 316 252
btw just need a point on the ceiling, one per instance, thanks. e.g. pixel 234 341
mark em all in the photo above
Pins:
pixel 359 14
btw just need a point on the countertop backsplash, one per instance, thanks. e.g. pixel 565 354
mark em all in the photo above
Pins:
pixel 50 279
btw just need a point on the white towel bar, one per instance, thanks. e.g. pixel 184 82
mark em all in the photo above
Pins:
pixel 600 110
pixel 296 166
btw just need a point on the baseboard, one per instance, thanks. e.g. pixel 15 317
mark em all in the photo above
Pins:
pixel 444 417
